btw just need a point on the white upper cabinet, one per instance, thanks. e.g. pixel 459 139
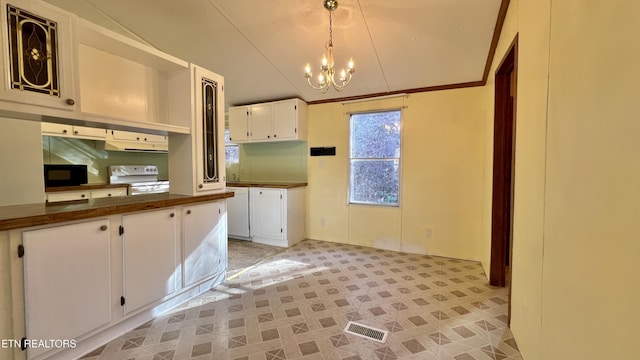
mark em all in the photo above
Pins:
pixel 80 132
pixel 239 124
pixel 124 82
pixel 37 55
pixel 290 120
pixel 260 122
pixel 273 121
pixel 52 61
pixel 197 160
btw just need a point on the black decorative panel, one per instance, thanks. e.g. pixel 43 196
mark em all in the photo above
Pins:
pixel 33 52
pixel 322 151
pixel 210 130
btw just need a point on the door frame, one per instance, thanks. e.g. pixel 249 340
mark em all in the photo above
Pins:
pixel 504 141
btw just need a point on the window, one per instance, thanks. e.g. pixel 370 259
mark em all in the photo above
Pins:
pixel 231 151
pixel 375 158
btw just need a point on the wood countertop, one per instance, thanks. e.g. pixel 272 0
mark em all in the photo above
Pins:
pixel 23 216
pixel 275 185
pixel 83 187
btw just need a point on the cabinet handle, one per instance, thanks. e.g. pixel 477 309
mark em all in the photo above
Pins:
pixel 145 139
pixel 83 195
pixel 64 131
pixel 103 228
pixel 70 102
pixel 275 135
pixel 172 215
pixel 188 212
pixel 137 138
pixel 268 136
pixel 200 186
pixel 109 195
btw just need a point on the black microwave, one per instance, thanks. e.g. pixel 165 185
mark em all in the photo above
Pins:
pixel 64 175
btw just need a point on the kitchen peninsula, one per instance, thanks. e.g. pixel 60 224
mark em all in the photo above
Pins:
pixel 91 270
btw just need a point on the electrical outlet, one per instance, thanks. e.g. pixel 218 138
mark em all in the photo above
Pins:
pixel 427 233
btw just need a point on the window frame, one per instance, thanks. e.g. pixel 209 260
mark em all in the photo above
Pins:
pixel 350 158
pixel 228 144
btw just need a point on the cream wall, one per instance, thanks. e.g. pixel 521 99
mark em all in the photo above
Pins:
pixel 577 199
pixel 21 177
pixel 441 176
pixel 529 21
pixel 591 297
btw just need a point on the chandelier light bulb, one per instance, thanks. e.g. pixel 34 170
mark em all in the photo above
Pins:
pixel 307 69
pixel 350 64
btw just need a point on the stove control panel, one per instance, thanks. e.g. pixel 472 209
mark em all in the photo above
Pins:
pixel 132 170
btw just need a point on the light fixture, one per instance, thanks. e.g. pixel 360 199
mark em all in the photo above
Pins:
pixel 326 78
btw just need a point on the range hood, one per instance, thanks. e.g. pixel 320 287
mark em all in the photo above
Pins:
pixel 133 146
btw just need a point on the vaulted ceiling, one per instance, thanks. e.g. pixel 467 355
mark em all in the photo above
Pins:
pixel 261 46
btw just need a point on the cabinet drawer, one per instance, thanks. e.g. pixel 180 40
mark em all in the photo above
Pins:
pixel 113 192
pixel 68 196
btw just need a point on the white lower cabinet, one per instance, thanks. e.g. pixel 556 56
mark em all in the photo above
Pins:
pixel 277 215
pixel 149 245
pixel 67 281
pixel 204 235
pixel 238 213
pixel 267 213
pixel 93 280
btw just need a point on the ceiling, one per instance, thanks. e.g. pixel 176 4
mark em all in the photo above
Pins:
pixel 261 47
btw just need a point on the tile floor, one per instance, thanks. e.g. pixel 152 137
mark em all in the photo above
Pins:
pixel 296 305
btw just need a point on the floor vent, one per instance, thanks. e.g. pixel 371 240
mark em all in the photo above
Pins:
pixel 366 332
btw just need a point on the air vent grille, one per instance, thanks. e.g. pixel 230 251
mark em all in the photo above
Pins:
pixel 366 332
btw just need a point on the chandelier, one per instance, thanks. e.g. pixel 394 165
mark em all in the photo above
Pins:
pixel 326 78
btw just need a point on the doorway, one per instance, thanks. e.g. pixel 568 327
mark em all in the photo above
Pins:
pixel 503 169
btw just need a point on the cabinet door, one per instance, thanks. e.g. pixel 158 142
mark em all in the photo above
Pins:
pixel 238 124
pixel 154 139
pixel 209 128
pixel 89 133
pixel 38 58
pixel 267 213
pixel 238 213
pixel 67 281
pixel 125 135
pixel 149 256
pixel 285 120
pixel 261 122
pixel 203 231
pixel 53 129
